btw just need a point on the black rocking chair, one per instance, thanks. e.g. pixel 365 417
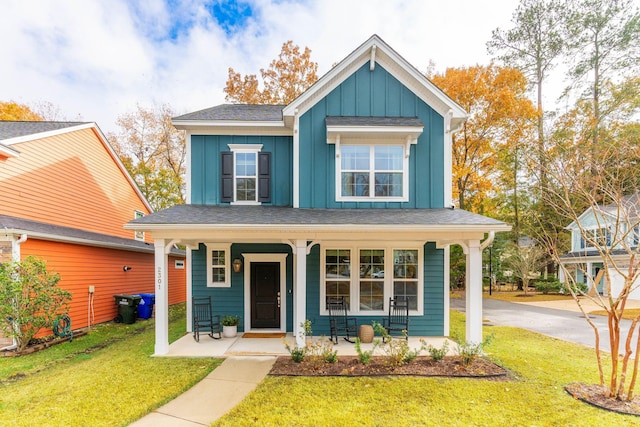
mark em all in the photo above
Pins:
pixel 398 319
pixel 204 320
pixel 339 322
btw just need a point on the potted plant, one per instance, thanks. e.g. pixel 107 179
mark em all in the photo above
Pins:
pixel 230 326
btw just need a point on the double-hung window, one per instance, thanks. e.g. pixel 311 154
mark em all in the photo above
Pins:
pixel 139 235
pixel 368 276
pixel 372 157
pixel 218 274
pixel 246 174
pixel 372 171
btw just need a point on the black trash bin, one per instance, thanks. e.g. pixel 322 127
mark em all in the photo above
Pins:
pixel 127 308
pixel 145 308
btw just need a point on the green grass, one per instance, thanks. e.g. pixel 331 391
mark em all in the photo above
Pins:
pixel 87 383
pixel 541 366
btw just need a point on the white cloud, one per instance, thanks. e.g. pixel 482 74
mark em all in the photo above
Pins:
pixel 99 58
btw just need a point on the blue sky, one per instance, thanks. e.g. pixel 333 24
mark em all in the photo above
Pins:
pixel 97 59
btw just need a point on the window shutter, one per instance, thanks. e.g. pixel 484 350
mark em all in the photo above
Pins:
pixel 226 177
pixel 264 177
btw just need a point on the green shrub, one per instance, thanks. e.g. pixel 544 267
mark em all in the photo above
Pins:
pixel 365 356
pixel 396 350
pixel 438 354
pixel 548 286
pixel 30 299
pixel 469 351
pixel 578 288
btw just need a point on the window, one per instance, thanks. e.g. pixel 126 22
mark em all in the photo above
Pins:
pixel 218 266
pixel 367 278
pixel 139 235
pixel 636 236
pixel 598 236
pixel 372 172
pixel 338 274
pixel 246 174
pixel 405 276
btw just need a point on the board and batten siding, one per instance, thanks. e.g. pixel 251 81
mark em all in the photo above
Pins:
pixel 206 164
pixel 431 323
pixel 230 300
pixel 69 180
pixel 82 266
pixel 365 94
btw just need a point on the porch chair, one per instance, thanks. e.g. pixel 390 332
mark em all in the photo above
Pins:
pixel 204 320
pixel 398 319
pixel 339 321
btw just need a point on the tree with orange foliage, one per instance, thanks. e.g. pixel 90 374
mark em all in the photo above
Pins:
pixel 287 77
pixel 13 111
pixel 500 125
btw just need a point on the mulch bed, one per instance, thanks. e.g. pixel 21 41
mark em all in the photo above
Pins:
pixel 421 366
pixel 596 395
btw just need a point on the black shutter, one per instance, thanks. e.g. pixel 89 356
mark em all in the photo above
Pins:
pixel 264 177
pixel 226 176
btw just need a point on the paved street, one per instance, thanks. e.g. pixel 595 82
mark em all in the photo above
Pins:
pixel 563 324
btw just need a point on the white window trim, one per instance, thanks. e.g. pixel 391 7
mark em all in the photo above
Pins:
pixel 244 148
pixel 371 142
pixel 226 247
pixel 354 308
pixel 138 235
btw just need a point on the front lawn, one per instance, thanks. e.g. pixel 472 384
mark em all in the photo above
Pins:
pixel 104 378
pixel 534 396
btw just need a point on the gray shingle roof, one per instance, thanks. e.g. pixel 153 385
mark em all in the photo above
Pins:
pixel 373 121
pixel 275 215
pixel 15 129
pixel 20 225
pixel 237 112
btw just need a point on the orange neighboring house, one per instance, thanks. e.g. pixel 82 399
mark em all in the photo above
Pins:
pixel 64 197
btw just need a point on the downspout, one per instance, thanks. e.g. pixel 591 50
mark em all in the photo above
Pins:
pixel 488 240
pixel 15 254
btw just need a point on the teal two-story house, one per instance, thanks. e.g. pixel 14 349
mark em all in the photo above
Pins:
pixel 345 192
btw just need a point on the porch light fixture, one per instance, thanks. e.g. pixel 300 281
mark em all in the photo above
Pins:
pixel 126 268
pixel 237 265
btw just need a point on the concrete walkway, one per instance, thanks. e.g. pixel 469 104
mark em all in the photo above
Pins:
pixel 214 396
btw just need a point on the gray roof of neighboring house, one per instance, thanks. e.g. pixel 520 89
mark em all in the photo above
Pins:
pixel 237 112
pixel 20 225
pixel 373 121
pixel 15 129
pixel 276 215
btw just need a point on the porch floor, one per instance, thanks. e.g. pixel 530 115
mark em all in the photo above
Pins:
pixel 186 346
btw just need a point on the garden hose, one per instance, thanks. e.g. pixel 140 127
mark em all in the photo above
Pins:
pixel 62 327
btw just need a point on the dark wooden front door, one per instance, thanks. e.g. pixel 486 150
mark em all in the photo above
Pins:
pixel 265 295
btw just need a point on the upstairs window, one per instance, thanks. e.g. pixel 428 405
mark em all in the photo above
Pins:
pixel 372 156
pixel 246 175
pixel 372 171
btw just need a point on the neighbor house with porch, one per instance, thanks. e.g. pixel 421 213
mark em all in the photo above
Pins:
pixel 604 235
pixel 344 192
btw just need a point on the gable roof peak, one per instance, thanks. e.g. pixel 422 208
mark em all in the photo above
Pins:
pixel 376 51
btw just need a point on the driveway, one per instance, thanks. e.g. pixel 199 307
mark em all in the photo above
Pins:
pixel 566 325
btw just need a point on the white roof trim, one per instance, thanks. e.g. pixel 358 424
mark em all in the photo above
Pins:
pixel 374 132
pixel 8 152
pixel 394 64
pixel 76 240
pixel 41 135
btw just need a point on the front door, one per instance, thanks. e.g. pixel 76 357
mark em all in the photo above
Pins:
pixel 265 295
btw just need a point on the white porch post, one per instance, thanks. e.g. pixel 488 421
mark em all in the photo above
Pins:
pixel 300 292
pixel 589 275
pixel 474 292
pixel 162 298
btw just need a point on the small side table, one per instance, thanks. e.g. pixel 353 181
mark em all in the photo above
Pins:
pixel 365 334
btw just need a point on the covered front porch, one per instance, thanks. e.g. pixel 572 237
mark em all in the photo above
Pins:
pixel 186 346
pixel 292 234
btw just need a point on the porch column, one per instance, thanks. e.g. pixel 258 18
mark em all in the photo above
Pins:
pixel 300 291
pixel 162 298
pixel 473 292
pixel 588 274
